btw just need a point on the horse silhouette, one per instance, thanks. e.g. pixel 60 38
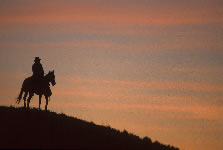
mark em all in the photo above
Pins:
pixel 31 87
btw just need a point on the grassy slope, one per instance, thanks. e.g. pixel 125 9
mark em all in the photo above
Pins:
pixel 21 128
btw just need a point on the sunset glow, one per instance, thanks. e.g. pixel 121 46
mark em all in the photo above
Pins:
pixel 154 68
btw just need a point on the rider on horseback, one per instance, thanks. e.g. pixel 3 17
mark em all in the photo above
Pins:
pixel 38 73
pixel 37 84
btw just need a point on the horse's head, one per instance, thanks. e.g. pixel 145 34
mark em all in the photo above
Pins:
pixel 52 77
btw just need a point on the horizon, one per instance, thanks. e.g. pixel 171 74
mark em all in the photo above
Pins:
pixel 152 67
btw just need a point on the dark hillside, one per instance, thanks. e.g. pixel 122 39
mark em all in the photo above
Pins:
pixel 21 128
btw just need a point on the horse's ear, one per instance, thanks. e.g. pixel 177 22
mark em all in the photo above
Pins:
pixel 53 71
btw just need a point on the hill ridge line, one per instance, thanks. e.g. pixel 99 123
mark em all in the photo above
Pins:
pixel 23 128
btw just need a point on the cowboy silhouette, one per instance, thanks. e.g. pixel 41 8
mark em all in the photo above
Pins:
pixel 38 84
pixel 37 68
pixel 38 73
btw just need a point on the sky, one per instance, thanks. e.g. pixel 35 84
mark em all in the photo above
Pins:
pixel 152 67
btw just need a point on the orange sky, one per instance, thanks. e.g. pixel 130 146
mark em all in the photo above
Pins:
pixel 153 67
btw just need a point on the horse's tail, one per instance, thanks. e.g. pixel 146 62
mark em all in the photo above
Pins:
pixel 20 96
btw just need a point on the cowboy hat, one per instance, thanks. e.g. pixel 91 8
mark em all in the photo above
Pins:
pixel 37 59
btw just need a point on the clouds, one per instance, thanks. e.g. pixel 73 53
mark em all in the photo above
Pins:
pixel 113 13
pixel 153 67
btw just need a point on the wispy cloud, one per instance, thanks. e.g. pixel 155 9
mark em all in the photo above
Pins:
pixel 121 14
pixel 172 111
pixel 192 86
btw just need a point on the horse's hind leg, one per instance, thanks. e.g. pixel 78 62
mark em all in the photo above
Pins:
pixel 40 97
pixel 28 100
pixel 24 98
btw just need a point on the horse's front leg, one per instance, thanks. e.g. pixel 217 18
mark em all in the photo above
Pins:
pixel 40 97
pixel 46 97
